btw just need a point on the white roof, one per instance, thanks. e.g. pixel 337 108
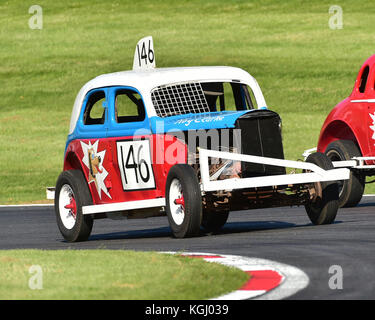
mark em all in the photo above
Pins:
pixel 145 81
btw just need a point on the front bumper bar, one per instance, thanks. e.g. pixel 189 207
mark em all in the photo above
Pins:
pixel 315 174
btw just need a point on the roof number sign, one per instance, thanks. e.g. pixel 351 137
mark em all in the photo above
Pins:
pixel 144 56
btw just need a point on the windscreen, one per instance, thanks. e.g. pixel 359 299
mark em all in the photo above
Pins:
pixel 196 97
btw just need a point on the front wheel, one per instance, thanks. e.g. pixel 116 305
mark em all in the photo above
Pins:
pixel 351 190
pixel 323 205
pixel 71 194
pixel 183 201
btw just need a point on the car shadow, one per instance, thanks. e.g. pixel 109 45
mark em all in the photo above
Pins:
pixel 161 232
pixel 249 226
pixel 366 204
pixel 253 226
pixel 229 228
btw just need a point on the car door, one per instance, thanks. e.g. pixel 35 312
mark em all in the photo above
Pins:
pixel 370 112
pixel 90 145
pixel 131 144
pixel 362 116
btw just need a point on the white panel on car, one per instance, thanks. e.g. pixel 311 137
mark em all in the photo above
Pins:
pixel 134 160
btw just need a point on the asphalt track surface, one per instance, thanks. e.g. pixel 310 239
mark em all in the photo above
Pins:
pixel 280 234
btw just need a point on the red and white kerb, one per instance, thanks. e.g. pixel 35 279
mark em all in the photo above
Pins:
pixel 268 279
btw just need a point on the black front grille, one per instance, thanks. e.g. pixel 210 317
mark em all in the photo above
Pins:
pixel 261 136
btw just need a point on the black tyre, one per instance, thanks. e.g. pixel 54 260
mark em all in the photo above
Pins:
pixel 322 209
pixel 183 201
pixel 213 221
pixel 351 190
pixel 71 194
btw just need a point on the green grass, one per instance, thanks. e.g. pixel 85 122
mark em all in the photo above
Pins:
pixel 113 274
pixel 303 67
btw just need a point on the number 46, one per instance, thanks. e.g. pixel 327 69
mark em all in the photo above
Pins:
pixel 145 54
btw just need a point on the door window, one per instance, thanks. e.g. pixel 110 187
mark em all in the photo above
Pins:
pixel 128 106
pixel 95 108
pixel 363 81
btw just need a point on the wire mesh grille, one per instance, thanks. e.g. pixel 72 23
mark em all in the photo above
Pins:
pixel 179 99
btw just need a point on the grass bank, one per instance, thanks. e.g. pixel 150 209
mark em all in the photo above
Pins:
pixel 112 274
pixel 303 67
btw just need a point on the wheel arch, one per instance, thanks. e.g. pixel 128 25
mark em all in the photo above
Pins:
pixel 73 162
pixel 336 130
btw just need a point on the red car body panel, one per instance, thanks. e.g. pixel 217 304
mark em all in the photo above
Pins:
pixel 113 192
pixel 351 119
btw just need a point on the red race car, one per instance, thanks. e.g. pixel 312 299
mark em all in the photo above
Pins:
pixel 348 135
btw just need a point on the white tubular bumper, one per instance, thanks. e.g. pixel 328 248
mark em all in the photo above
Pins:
pixel 354 163
pixel 307 152
pixel 316 173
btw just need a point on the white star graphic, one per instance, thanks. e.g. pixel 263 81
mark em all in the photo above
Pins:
pixel 373 124
pixel 103 173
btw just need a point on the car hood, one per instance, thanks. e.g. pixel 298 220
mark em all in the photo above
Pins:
pixel 200 121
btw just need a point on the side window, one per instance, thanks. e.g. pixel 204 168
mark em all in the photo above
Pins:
pixel 242 95
pixel 229 97
pixel 214 94
pixel 226 96
pixel 363 81
pixel 94 110
pixel 128 106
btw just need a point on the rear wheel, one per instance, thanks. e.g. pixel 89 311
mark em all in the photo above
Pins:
pixel 183 201
pixel 351 190
pixel 323 206
pixel 213 221
pixel 71 194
